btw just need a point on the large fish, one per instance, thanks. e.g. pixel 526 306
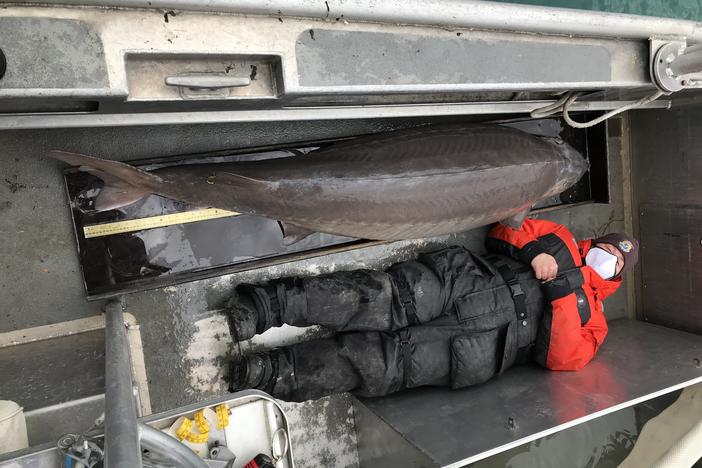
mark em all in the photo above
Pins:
pixel 405 184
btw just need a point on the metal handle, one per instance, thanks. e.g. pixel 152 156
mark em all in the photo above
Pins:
pixel 207 81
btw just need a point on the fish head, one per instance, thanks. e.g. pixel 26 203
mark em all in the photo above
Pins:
pixel 573 166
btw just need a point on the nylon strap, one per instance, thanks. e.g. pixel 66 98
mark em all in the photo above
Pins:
pixel 406 299
pixel 406 349
pixel 516 290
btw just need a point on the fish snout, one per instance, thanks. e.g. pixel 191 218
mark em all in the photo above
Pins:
pixel 573 168
pixel 575 165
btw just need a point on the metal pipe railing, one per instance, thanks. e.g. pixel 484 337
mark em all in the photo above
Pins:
pixel 690 62
pixel 121 430
pixel 443 13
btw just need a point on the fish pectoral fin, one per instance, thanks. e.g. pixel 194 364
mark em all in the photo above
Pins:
pixel 293 234
pixel 123 184
pixel 516 221
pixel 115 193
pixel 112 197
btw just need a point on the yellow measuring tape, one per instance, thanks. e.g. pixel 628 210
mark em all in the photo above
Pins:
pixel 222 416
pixel 185 430
pixel 201 422
pixel 132 225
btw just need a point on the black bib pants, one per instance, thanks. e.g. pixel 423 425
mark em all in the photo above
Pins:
pixel 447 319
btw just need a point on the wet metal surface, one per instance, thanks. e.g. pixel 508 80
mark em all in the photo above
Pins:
pixel 603 442
pixel 380 445
pixel 46 425
pixel 595 444
pixel 53 371
pixel 637 362
pixel 324 433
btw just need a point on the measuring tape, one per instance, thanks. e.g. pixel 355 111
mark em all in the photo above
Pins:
pixel 132 225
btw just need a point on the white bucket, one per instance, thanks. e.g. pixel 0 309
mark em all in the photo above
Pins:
pixel 13 429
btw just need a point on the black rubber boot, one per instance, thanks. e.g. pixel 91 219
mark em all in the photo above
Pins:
pixel 243 317
pixel 257 371
pixel 263 301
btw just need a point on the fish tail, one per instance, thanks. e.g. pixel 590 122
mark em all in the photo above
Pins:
pixel 123 184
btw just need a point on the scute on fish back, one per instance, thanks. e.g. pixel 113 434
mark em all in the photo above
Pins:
pixel 411 183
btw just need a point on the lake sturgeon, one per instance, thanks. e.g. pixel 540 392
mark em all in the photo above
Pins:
pixel 406 184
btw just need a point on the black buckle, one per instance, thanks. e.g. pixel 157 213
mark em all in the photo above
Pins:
pixel 516 289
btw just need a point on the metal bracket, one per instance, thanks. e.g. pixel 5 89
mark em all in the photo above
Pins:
pixel 674 65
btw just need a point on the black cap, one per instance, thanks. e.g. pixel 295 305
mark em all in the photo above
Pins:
pixel 627 245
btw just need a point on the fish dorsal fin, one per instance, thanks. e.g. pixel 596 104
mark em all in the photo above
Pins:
pixel 123 184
